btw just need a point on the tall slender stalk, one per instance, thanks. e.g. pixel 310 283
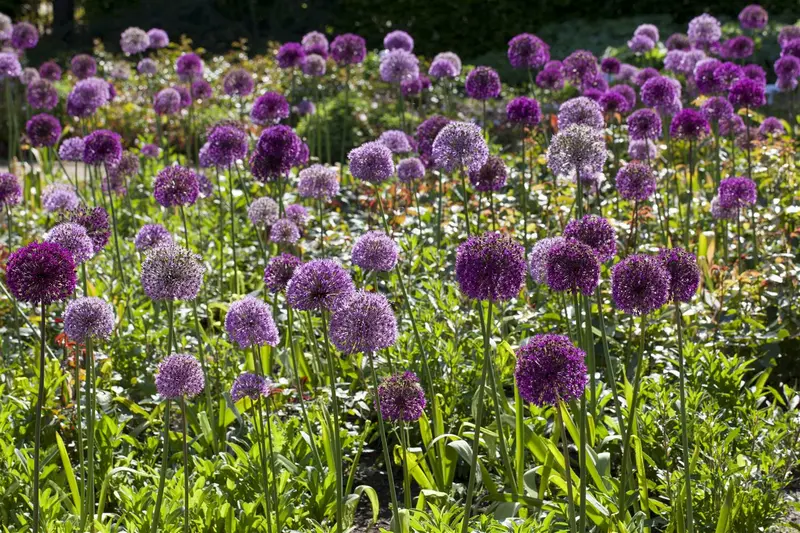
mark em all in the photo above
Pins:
pixel 38 430
pixel 90 416
pixel 567 469
pixel 272 467
pixel 185 469
pixel 162 478
pixel 337 449
pixel 687 471
pixel 259 426
pixel 233 234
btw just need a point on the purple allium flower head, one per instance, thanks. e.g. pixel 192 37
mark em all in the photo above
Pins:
pixel 74 238
pixel 205 186
pixel 550 369
pixel 626 73
pixel 189 66
pixel 276 153
pixel 641 150
pixel 705 77
pixel 639 284
pixel 722 213
pixel 134 41
pixel 678 41
pixel 490 267
pixel 551 79
pixel 50 71
pixel 284 231
pixel 375 251
pixel 291 55
pixel 250 323
pixel 572 266
pixel 147 67
pixel 305 107
pixel 788 34
pixel 365 324
pixel 528 51
pixel 524 110
pixel 579 65
pixel 279 271
pixel 24 36
pixel 753 17
pixel 731 125
pixel 491 176
pixel 170 272
pixel 592 94
pixel 398 40
pixel 167 101
pixel 29 75
pixel 201 90
pixel 297 214
pixel 737 192
pixel 150 151
pixel 102 147
pixel 640 44
pixel 10 189
pixel 661 93
pixel 615 102
pixel 396 141
pixel 577 149
pixel 636 181
pixel 6 26
pixel 315 43
pixel 320 284
pixel 726 74
pixel 176 185
pixel 263 212
pixel 674 61
pixel 319 182
pixel 415 86
pixel 96 223
pixel 238 82
pixel 610 65
pixel 41 273
pixel 179 376
pixel 158 38
pixel 249 385
pixel 83 66
pixel 580 110
pixel 348 49
pixel 269 108
pixel 372 162
pixel 597 82
pixel 747 93
pixel 644 75
pixel 401 398
pixel 398 65
pixel 595 232
pixel 88 318
pixel 150 236
pixel 738 47
pixel 704 30
pixel 410 169
pixel 787 67
pixel 791 48
pixel 537 265
pixel 786 84
pixel 426 135
pixel 716 109
pixel 684 274
pixel 648 30
pixel 303 154
pixel 226 145
pixel 314 65
pixel 459 145
pixel 59 197
pixel 689 124
pixel 87 96
pixel 441 68
pixel 185 95
pixel 43 130
pixel 771 126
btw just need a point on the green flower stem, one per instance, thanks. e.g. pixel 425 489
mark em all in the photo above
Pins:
pixel 519 438
pixel 406 474
pixel 258 423
pixel 466 202
pixel 337 449
pixel 38 429
pixel 91 409
pixel 567 469
pixel 79 431
pixel 610 373
pixel 687 471
pixel 162 478
pixel 439 214
pixel 233 233
pixel 272 466
pixel 185 469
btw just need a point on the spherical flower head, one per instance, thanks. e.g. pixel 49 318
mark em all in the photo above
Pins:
pixel 747 93
pixel 263 212
pixel 426 135
pixel 315 43
pixel 319 182
pixel 738 47
pixel 348 49
pixel 577 150
pixel 150 236
pixel 158 38
pixel 189 66
pixel 791 48
pixel 102 147
pixel 371 162
pixel 250 323
pixel 50 71
pixel 537 264
pixel 398 40
pixel 786 84
pixel 684 274
pixel 401 398
pixel 150 151
pixel 74 238
pixel 314 65
pixel 96 223
pixel 279 271
pixel 524 110
pixel 787 34
pixel 396 141
pixel 610 65
pixel 579 65
pixel 284 231
pixel 83 66
pixel 722 213
pixel 614 102
pixel 304 108
pixel 375 251
pixel 592 94
pixel 550 79
pixel 753 17
pixel 648 30
pixel 43 130
pixel 88 318
pixel 490 267
pixel 678 41
pixel 595 232
pixel 640 44
pixel 726 74
pixel 675 60
pixel 6 26
pixel 787 67
pixel 226 145
pixel 636 181
pixel 10 189
pixel 705 77
pixel 639 284
pixel 731 125
pixel 704 30
pixel 185 95
pixel 442 68
pixel 134 41
pixel 644 75
pixel 41 273
pixel 770 127
pixel 399 65
pixel 276 152
pixel 249 385
pixel 415 86
pixel 365 324
pixel 320 284
pixel 303 154
pixel 179 376
pixel 550 369
pixel 716 108
pixel 291 55
pixel 238 82
pixel 660 92
pixel 170 272
pixel 410 169
pixel 641 150
pixel 59 197
pixel 689 124
pixel 737 192
pixel 24 36
pixel 491 176
pixel 269 108
pixel 29 75
pixel 87 96
pixel 528 51
pixel 483 83
pixel 176 185
pixel 581 110
pixel 297 214
pixel 201 90
pixel 41 95
pixel 460 145
pixel 572 266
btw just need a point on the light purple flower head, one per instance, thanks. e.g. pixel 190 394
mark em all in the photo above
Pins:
pixel 689 124
pixel 41 273
pixel 279 271
pixel 314 65
pixel 579 65
pixel 43 130
pixel 147 67
pixel 297 214
pixel 524 110
pixel 398 40
pixel 491 176
pixel 550 78
pixel 550 369
pixel 396 141
pixel 460 145
pixel 249 385
pixel 371 162
pixel 399 65
pixel 185 94
pixel 238 82
pixel 747 93
pixel 442 68
pixel 636 181
pixel 167 101
pixel 640 44
pixel 410 169
pixel 250 323
pixel 88 318
pixel 365 324
pixel 639 284
pixel 83 66
pixel 269 108
pixel 426 135
pixel 134 41
pixel 87 96
pixel 716 109
pixel 29 75
pixel 626 73
pixel 176 185
pixel 179 376
pixel 684 274
pixel 615 102
pixel 284 231
pixel 59 197
pixel 726 74
pixel 704 30
pixel 375 251
pixel 737 193
pixel 753 17
pixel 490 267
pixel 10 189
pixel 537 265
pixel 263 212
pixel 577 150
pixel 528 51
pixel 304 108
pixel 201 90
pixel 320 284
pixel 226 145
pixel 595 232
pixel 788 34
pixel 771 126
pixel 581 110
pixel 319 182
pixel 661 93
pixel 150 236
pixel 189 66
pixel 6 26
pixel 348 49
pixel 24 36
pixel 648 30
pixel 158 38
pixel 291 55
pixel 50 71
pixel 170 272
pixel 401 398
pixel 572 266
pixel 315 43
pixel 150 151
pixel 642 76
pixel 723 213
pixel 415 86
pixel 74 238
pixel 276 153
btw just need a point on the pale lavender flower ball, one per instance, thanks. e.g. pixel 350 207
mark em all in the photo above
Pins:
pixel 398 39
pixel 170 272
pixel 72 237
pixel 88 318
pixel 704 30
pixel 366 324
pixel 648 30
pixel 320 284
pixel 442 68
pixel 314 65
pixel 250 323
pixel 459 145
pixel 147 67
pixel 249 385
pixel 640 44
pixel 263 212
pixel 595 232
pixel 179 376
pixel 577 150
pixel 639 284
pixel 723 213
pixel 87 96
pixel 375 251
pixel 537 260
pixel 150 236
pixel 284 231
pixel 29 75
pixel 167 101
pixel 410 169
pixel 399 65
pixel 305 107
pixel 10 189
pixel 269 108
pixel 550 369
pixel 581 110
pixel 150 151
pixel 297 214
pixel 315 43
pixel 279 271
pixel 134 41
pixel 59 197
pixel 771 126
pixel 319 182
pixel 238 82
pixel 371 162
pixel 636 181
pixel 158 38
pixel 396 141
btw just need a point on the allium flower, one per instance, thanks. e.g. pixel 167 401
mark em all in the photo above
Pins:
pixel 410 169
pixel 348 49
pixel 674 61
pixel 87 96
pixel 786 84
pixel 74 238
pixel 722 213
pixel 726 74
pixel 684 274
pixel 747 93
pixel 678 41
pixel 59 197
pixel 276 152
pixel 179 376
pixel 572 266
pixel 396 141
pixel 627 73
pixel 627 92
pixel 314 65
pixel 10 189
pixel 426 135
pixel 43 130
pixel 189 66
pixel 771 126
pixel 134 41
pixel 41 273
pixel 147 67
pixel 661 93
pixel 150 150
pixel 269 108
pixel 238 82
pixel 610 65
pixel 524 110
pixel 738 47
pixel 150 236
pixel 639 284
pixel 441 68
pixel 490 267
pixel 415 86
pixel 753 17
pixel 579 65
pixel 226 145
pixel 640 44
pixel 315 43
pixel 167 101
pixel 576 150
pixel 318 181
pixel 158 38
pixel 170 272
pixel 537 265
pixel 737 192
pixel 183 92
pixel 551 79
pixel 787 34
pixel 550 369
pixel 371 162
pixel 320 284
pixel 614 102
pixel 375 251
pixel 24 36
pixel 580 110
pixel 88 318
pixel 201 90
pixel 250 323
pixel 787 67
pixel 689 124
pixel 644 75
pixel 791 48
pixel 636 181
pixel 279 271
pixel 490 177
pixel 71 149
pixel 398 40
pixel 642 150
pixel 460 145
pixel 704 30
pixel 528 51
pixel 595 232
pixel 96 223
pixel 83 66
pixel 291 55
pixel 716 108
pixel 648 30
pixel 399 65
pixel 731 125
pixel 50 71
pixel 705 77
pixel 483 83
pixel 305 107
pixel 365 324
pixel 401 398
pixel 175 185
pixel 263 212
pixel 302 155
pixel 6 26
pixel 28 76
pixel 249 385
pixel 284 231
